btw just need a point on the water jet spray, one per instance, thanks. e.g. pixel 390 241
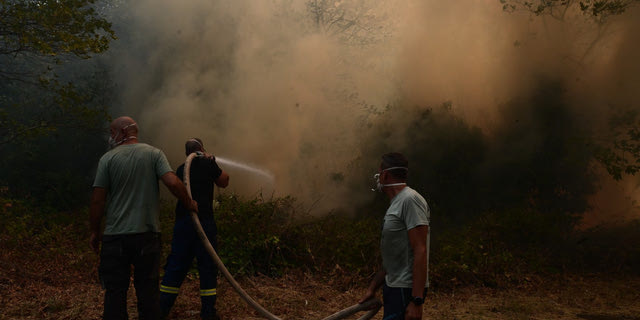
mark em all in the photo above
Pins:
pixel 247 167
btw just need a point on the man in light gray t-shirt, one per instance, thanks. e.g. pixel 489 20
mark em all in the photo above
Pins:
pixel 408 210
pixel 125 194
pixel 404 243
pixel 132 207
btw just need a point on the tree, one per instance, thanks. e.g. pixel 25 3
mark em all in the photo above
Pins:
pixel 353 22
pixel 53 98
pixel 37 38
pixel 618 150
pixel 622 156
pixel 598 10
pixel 598 13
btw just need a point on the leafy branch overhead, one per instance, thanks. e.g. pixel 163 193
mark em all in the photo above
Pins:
pixel 622 156
pixel 51 28
pixel 40 41
pixel 599 10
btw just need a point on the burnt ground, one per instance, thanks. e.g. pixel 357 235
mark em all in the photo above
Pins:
pixel 66 289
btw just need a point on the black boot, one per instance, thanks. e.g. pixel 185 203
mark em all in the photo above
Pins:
pixel 166 302
pixel 213 316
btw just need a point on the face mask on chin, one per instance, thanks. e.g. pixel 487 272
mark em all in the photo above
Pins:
pixel 379 185
pixel 114 143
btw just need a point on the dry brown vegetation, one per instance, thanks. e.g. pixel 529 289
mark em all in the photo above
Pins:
pixel 48 272
pixel 36 289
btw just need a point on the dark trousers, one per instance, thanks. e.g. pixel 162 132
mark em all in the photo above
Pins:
pixel 395 302
pixel 186 245
pixel 118 254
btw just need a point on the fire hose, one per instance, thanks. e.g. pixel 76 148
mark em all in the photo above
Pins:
pixel 373 305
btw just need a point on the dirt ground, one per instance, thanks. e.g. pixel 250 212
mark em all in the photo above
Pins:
pixel 28 294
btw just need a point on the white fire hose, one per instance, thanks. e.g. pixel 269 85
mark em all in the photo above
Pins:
pixel 373 304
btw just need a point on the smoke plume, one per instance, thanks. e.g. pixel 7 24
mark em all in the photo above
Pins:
pixel 289 86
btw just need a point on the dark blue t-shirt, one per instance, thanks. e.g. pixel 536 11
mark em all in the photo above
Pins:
pixel 204 172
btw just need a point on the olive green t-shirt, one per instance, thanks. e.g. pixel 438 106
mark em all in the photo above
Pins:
pixel 130 175
pixel 407 210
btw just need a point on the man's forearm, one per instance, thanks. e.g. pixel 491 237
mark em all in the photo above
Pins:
pixel 418 239
pixel 180 191
pixel 177 188
pixel 419 273
pixel 95 217
pixel 378 280
pixel 96 209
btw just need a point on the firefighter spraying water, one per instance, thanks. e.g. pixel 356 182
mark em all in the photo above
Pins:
pixel 185 245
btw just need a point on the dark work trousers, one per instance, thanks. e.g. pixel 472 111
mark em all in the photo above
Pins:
pixel 184 247
pixel 118 254
pixel 395 302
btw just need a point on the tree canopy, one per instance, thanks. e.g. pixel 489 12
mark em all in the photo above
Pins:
pixel 37 38
pixel 53 97
pixel 598 10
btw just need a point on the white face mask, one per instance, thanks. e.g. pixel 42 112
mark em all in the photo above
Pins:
pixel 114 143
pixel 379 186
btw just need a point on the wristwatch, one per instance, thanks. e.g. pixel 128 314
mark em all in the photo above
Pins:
pixel 417 300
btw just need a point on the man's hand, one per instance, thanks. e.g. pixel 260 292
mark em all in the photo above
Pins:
pixel 376 283
pixel 369 295
pixel 94 242
pixel 96 211
pixel 193 206
pixel 178 189
pixel 413 312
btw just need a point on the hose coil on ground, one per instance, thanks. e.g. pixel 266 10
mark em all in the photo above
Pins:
pixel 373 304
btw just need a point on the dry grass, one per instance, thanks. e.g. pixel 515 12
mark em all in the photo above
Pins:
pixel 31 289
pixel 560 298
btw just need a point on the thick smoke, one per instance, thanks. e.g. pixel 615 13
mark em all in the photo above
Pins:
pixel 289 86
pixel 280 85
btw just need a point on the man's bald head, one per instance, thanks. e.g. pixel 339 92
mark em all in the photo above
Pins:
pixel 124 123
pixel 124 130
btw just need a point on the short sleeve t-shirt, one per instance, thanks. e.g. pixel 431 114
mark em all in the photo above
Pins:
pixel 407 210
pixel 130 175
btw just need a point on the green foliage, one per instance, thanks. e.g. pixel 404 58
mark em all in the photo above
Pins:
pixel 444 154
pixel 489 250
pixel 504 203
pixel 622 155
pixel 504 247
pixel 250 233
pixel 54 166
pixel 51 28
pixel 43 232
pixel 47 108
pixel 51 100
pixel 352 22
pixel 540 157
pixel 268 237
pixel 598 10
pixel 38 39
pixel 607 248
pixel 337 241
